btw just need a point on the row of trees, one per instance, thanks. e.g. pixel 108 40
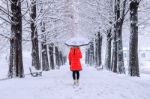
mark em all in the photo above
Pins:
pixel 48 22
pixel 19 14
pixel 114 60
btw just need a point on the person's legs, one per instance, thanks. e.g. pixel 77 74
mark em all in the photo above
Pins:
pixel 78 75
pixel 74 75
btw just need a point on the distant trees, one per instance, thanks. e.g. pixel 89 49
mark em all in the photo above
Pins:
pixel 11 13
pixel 112 25
pixel 93 53
pixel 47 18
pixel 49 21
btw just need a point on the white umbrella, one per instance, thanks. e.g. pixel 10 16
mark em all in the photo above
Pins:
pixel 77 41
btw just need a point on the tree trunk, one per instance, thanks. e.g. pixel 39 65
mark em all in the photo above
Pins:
pixel 86 57
pixel 11 59
pixel 108 51
pixel 118 60
pixel 16 63
pixel 57 56
pixel 120 19
pixel 60 56
pixel 51 56
pixel 64 60
pixel 45 64
pixel 34 37
pixel 99 49
pixel 91 54
pixel 133 49
pixel 95 52
pixel 114 54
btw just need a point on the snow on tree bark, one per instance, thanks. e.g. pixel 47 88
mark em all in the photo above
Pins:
pixel 45 64
pixel 133 46
pixel 11 59
pixel 16 62
pixel 118 62
pixel 108 50
pixel 34 37
pixel 91 54
pixel 120 58
pixel 51 56
pixel 57 56
pixel 88 56
pixel 98 49
pixel 114 54
pixel 61 58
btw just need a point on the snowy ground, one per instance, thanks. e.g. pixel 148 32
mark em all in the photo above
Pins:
pixel 94 84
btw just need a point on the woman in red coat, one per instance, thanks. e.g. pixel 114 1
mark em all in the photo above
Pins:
pixel 75 64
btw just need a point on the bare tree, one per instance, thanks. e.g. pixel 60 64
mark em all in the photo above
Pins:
pixel 133 49
pixel 98 49
pixel 16 63
pixel 118 60
pixel 34 37
pixel 45 63
pixel 108 55
pixel 108 50
pixel 51 55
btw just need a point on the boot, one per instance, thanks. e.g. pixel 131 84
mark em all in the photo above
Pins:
pixel 74 83
pixel 77 82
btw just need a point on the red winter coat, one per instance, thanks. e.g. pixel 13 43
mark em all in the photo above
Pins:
pixel 74 59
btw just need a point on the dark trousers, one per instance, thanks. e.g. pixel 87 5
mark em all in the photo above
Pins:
pixel 75 75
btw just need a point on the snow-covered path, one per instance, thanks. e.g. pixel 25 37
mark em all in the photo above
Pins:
pixel 94 84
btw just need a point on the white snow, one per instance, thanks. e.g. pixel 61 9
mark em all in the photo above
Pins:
pixel 62 22
pixel 94 84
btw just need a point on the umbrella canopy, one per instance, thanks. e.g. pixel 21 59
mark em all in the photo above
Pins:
pixel 77 41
